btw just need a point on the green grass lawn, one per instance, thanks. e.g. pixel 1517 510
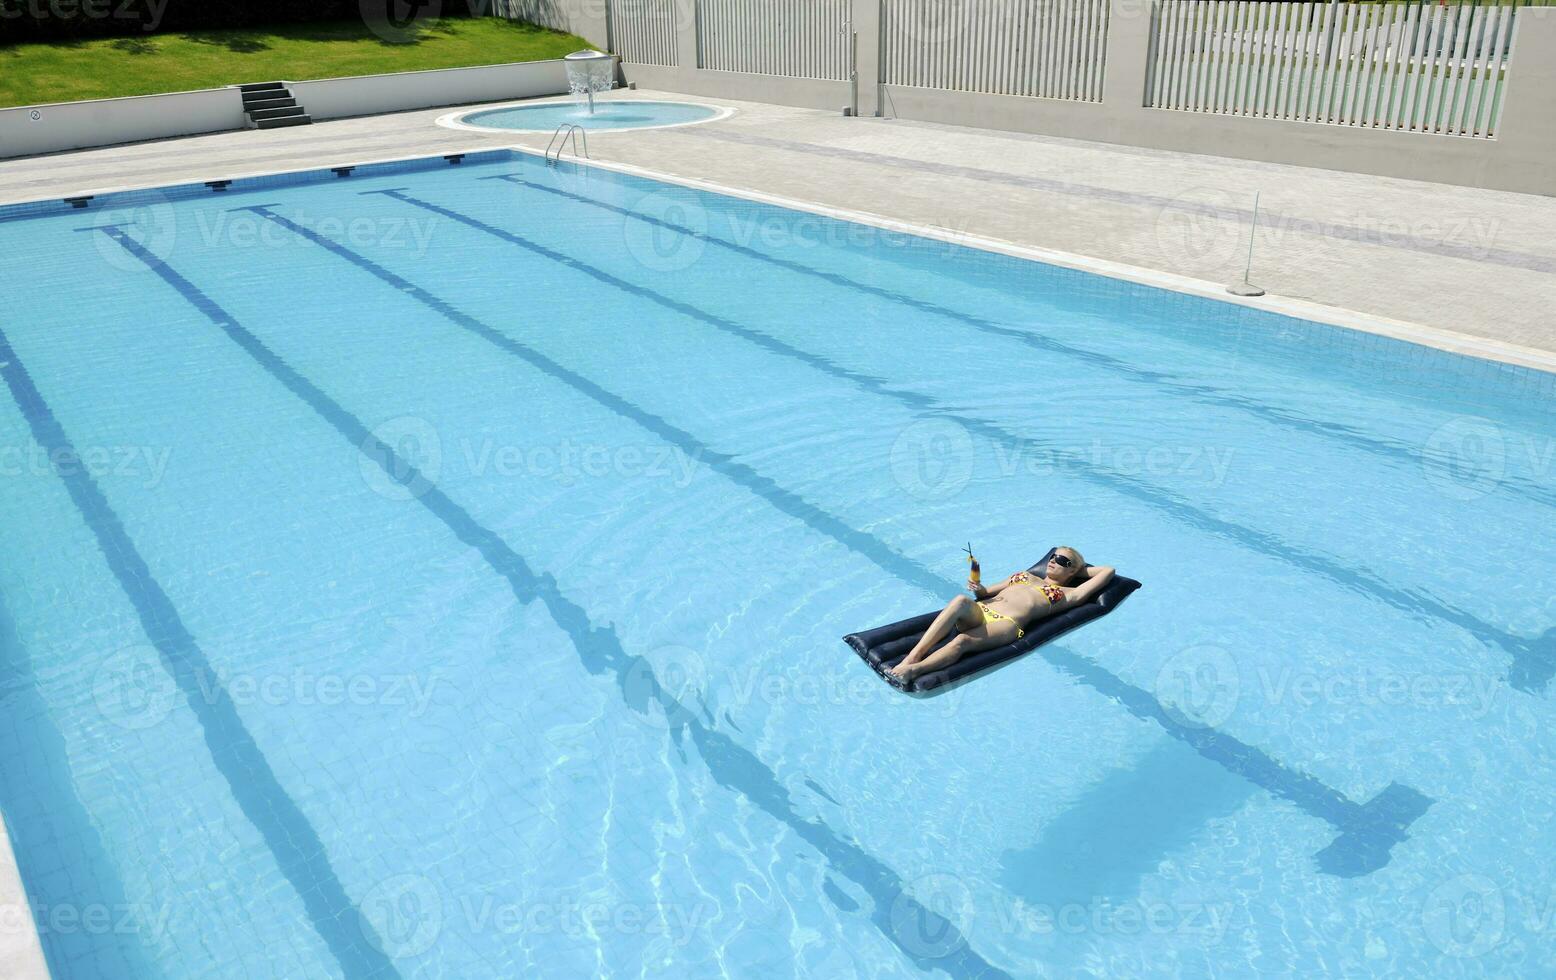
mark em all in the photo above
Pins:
pixel 103 68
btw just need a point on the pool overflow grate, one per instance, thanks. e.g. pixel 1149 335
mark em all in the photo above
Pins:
pixel 78 202
pixel 217 186
pixel 342 171
pixel 270 105
pixel 455 159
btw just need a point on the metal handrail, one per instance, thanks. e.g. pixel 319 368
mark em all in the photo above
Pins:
pixel 564 133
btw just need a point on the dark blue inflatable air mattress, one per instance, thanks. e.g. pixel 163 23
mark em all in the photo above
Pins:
pixel 885 646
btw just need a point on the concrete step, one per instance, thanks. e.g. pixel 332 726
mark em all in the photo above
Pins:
pixel 269 105
pixel 280 112
pixel 283 102
pixel 283 122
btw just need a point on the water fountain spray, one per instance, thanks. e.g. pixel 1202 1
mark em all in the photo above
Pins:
pixel 589 72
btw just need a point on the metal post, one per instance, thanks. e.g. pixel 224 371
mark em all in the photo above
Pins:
pixel 852 109
pixel 1246 288
pixel 853 70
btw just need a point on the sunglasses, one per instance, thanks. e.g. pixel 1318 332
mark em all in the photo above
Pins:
pixel 1063 561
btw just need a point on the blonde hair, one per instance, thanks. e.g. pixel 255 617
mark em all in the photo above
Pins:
pixel 1080 563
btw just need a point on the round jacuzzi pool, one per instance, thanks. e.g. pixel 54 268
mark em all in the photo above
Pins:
pixel 608 114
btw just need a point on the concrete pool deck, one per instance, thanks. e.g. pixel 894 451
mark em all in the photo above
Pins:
pixel 1476 268
pixel 21 953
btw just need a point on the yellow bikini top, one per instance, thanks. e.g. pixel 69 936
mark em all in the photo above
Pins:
pixel 1052 593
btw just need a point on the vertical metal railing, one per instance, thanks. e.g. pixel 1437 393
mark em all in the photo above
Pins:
pixel 794 38
pixel 1052 49
pixel 1418 66
pixel 644 32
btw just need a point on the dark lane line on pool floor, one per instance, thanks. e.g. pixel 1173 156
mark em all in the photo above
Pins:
pixel 1534 661
pixel 57 823
pixel 1204 394
pixel 1367 831
pixel 293 842
pixel 599 650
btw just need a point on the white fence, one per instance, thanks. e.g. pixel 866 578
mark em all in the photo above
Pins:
pixel 1454 94
pixel 644 32
pixel 1051 49
pixel 1422 67
pixel 795 38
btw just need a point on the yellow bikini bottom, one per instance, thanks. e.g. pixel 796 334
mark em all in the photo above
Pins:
pixel 989 616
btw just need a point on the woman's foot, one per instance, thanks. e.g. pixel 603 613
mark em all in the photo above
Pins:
pixel 905 670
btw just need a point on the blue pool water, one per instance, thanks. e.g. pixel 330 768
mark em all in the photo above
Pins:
pixel 439 573
pixel 608 114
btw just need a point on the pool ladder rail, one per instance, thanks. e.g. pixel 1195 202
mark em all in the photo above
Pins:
pixel 565 133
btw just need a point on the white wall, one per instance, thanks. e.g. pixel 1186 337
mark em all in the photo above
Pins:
pixel 333 98
pixel 104 122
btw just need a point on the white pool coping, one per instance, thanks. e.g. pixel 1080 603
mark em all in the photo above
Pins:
pixel 21 952
pixel 456 120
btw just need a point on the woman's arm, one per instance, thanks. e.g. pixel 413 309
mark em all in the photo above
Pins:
pixel 990 591
pixel 1098 577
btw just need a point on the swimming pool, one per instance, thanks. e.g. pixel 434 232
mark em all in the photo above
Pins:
pixel 440 570
pixel 608 114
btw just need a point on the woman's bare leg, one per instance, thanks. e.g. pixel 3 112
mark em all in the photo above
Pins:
pixel 954 651
pixel 959 614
